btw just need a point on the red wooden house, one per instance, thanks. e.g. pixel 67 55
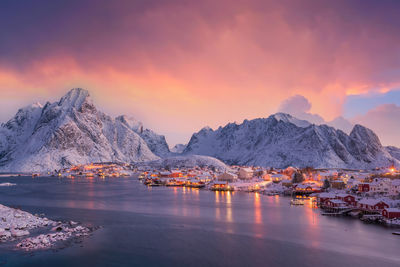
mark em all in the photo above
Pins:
pixel 323 197
pixel 363 187
pixel 391 213
pixel 348 199
pixel 372 205
pixel 335 203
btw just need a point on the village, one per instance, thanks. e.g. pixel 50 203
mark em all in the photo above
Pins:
pixel 372 196
pixel 92 170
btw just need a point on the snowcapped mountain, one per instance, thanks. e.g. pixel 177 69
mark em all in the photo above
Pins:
pixel 282 140
pixel 70 131
pixel 289 118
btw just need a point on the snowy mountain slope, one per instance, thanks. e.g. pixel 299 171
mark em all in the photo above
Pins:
pixel 188 161
pixel 70 131
pixel 281 141
pixel 157 143
pixel 394 152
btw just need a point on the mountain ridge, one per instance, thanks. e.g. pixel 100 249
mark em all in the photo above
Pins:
pixel 280 141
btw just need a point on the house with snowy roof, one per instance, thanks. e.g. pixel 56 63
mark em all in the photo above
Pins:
pixel 335 203
pixel 379 186
pixel 245 173
pixel 372 205
pixel 391 213
pixel 350 200
pixel 227 176
pixel 323 197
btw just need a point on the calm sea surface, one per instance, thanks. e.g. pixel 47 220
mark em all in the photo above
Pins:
pixel 188 227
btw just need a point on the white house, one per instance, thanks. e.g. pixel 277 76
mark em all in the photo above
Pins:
pixel 227 176
pixel 380 186
pixel 245 173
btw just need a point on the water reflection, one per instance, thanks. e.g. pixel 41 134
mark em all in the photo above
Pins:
pixel 228 207
pixel 257 208
pixel 217 207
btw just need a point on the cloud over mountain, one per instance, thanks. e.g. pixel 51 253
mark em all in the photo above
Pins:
pixel 300 107
pixel 384 119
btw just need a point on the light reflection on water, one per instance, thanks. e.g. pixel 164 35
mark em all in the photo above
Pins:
pixel 257 208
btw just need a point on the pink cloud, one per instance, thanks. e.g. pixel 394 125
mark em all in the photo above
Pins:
pixel 178 63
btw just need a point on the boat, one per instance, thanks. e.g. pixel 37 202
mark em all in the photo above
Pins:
pixel 199 185
pixel 155 184
pixel 396 233
pixel 296 201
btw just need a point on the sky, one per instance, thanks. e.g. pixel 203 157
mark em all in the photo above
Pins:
pixel 181 65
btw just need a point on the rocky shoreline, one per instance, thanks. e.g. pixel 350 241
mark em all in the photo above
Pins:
pixel 32 232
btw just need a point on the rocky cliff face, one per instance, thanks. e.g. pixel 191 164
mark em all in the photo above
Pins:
pixel 157 143
pixel 70 131
pixel 282 140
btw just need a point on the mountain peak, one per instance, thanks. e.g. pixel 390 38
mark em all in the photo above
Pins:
pixel 360 132
pixel 206 129
pixel 284 117
pixel 75 98
pixel 131 122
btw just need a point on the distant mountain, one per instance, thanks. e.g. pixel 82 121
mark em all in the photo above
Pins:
pixel 282 140
pixel 178 148
pixel 71 131
pixel 188 161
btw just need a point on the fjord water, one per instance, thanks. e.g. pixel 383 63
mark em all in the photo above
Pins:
pixel 166 226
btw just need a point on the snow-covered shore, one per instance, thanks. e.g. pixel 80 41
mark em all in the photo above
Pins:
pixel 21 227
pixel 7 184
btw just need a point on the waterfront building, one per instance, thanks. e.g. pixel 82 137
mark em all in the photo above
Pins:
pixel 391 213
pixel 350 200
pixel 227 176
pixel 372 205
pixel 245 173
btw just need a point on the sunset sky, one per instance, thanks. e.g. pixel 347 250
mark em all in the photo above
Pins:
pixel 181 65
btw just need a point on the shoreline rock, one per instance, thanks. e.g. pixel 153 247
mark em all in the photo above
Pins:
pixel 20 226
